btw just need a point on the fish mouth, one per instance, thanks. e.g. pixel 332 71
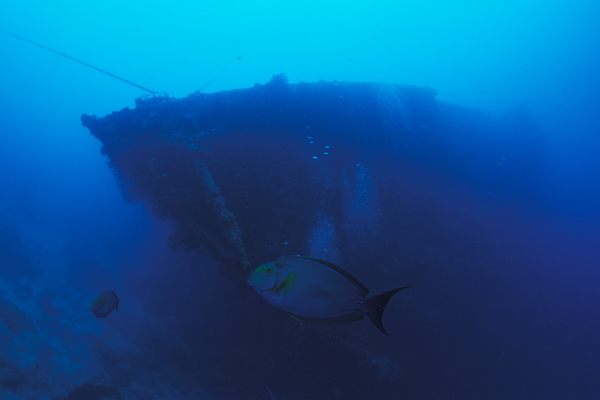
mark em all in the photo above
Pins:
pixel 261 288
pixel 272 287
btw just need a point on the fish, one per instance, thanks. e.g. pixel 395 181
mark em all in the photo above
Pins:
pixel 105 303
pixel 317 291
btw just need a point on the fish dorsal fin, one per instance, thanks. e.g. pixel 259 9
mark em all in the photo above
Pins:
pixel 359 287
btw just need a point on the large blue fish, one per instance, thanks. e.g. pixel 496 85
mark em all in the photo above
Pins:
pixel 318 291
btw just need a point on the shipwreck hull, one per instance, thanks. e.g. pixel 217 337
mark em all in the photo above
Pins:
pixel 350 172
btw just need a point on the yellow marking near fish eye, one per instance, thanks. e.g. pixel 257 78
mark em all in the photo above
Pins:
pixel 267 269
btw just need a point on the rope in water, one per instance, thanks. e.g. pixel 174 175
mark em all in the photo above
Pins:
pixel 76 60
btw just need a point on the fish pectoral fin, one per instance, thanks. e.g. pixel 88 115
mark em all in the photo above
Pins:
pixel 284 287
pixel 354 315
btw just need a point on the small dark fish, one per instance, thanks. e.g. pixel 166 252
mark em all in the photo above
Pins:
pixel 105 303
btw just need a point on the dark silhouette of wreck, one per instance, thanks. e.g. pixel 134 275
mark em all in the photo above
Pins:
pixel 351 172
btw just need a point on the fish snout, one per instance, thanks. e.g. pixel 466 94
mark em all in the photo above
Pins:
pixel 263 282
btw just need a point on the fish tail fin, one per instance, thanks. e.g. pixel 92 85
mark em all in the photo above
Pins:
pixel 376 305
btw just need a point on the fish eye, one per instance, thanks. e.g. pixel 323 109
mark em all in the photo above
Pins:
pixel 269 270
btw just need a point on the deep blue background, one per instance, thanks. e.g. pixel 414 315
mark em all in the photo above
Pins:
pixel 524 325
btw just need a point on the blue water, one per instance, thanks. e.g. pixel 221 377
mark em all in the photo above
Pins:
pixel 505 304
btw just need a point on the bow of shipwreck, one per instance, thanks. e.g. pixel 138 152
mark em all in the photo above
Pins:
pixel 350 172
